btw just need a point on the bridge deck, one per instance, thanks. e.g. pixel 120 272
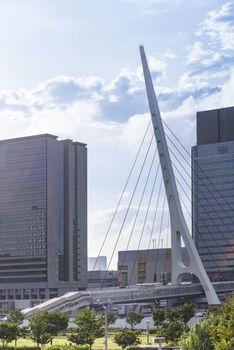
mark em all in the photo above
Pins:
pixel 75 300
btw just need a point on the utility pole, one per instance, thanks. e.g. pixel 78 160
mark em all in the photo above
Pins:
pixel 106 326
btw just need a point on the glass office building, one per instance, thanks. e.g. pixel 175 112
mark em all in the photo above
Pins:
pixel 213 192
pixel 43 217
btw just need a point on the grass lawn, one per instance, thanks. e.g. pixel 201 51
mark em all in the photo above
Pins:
pixel 99 343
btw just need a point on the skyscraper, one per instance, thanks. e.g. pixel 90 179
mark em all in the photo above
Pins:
pixel 213 192
pixel 43 217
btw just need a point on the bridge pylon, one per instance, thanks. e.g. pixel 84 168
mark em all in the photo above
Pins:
pixel 179 226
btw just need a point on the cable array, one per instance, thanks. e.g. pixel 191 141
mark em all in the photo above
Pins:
pixel 153 186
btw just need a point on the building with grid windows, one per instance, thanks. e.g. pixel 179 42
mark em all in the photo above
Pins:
pixel 147 266
pixel 213 192
pixel 43 218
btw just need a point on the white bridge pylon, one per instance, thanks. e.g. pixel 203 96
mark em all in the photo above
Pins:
pixel 179 227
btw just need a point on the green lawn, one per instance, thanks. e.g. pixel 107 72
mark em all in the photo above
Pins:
pixel 99 343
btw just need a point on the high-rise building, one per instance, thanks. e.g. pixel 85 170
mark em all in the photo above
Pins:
pixel 146 266
pixel 43 217
pixel 97 263
pixel 213 192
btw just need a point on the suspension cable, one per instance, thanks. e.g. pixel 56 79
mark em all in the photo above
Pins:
pixel 139 206
pixel 195 162
pixel 154 220
pixel 203 206
pixel 144 223
pixel 130 202
pixel 120 199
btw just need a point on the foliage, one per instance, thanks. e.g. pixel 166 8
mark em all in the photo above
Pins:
pixel 172 331
pixel 58 322
pixel 44 326
pixel 8 332
pixel 90 327
pixel 133 318
pixel 186 312
pixel 222 327
pixel 215 332
pixel 40 328
pixel 111 317
pixel 172 315
pixel 171 323
pixel 159 317
pixel 126 337
pixel 15 317
pixel 199 338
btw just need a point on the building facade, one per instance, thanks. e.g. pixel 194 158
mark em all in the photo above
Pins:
pixel 98 263
pixel 103 279
pixel 213 192
pixel 146 266
pixel 43 217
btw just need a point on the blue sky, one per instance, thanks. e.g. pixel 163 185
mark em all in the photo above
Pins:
pixel 72 68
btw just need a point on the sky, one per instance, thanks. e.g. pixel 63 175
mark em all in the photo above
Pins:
pixel 72 68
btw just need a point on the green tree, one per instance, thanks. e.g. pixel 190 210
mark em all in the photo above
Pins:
pixel 172 331
pixel 15 317
pixel 198 338
pixel 89 327
pixel 126 337
pixel 111 317
pixel 186 312
pixel 58 323
pixel 159 317
pixel 40 328
pixel 133 318
pixel 8 332
pixel 172 315
pixel 222 327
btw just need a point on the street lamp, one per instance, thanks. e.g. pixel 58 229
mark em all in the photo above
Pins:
pixel 106 306
pixel 147 326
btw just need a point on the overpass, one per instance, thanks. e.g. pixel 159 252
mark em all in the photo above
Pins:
pixel 74 301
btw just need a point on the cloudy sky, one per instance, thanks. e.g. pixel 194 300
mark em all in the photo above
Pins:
pixel 72 68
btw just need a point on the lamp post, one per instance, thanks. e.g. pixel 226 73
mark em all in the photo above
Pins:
pixel 147 326
pixel 106 326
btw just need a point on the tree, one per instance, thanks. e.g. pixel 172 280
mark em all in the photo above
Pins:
pixel 89 327
pixel 126 337
pixel 198 338
pixel 222 327
pixel 172 315
pixel 158 317
pixel 171 327
pixel 16 317
pixel 58 323
pixel 8 332
pixel 133 318
pixel 40 328
pixel 186 312
pixel 111 317
pixel 172 331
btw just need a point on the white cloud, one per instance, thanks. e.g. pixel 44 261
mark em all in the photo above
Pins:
pixel 219 26
pixel 170 55
pixel 111 117
pixel 197 52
